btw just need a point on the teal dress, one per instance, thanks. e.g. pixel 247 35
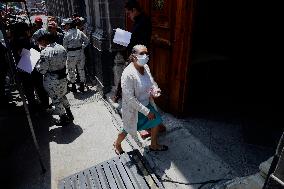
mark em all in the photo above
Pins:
pixel 144 123
pixel 143 87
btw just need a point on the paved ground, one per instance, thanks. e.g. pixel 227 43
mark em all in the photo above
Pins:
pixel 65 150
pixel 205 148
pixel 200 149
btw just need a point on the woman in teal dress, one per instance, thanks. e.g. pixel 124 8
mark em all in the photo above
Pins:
pixel 138 107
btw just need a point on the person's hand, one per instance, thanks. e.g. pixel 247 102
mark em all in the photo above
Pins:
pixel 156 92
pixel 151 116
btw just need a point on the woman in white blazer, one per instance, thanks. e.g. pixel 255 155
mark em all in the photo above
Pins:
pixel 138 108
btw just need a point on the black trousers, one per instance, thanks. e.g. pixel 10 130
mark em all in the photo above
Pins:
pixel 34 83
pixel 41 92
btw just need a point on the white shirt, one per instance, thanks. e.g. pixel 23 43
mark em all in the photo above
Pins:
pixel 144 86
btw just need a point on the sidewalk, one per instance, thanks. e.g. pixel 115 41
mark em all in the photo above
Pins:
pixel 65 150
pixel 199 149
pixel 202 150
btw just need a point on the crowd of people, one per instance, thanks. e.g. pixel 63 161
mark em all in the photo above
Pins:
pixel 62 61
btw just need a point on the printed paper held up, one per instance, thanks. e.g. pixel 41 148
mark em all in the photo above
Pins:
pixel 122 37
pixel 28 60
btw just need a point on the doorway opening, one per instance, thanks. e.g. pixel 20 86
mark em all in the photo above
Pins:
pixel 232 73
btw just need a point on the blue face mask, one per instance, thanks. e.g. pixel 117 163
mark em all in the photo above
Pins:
pixel 142 60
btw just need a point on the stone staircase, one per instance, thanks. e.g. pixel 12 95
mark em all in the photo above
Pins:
pixel 255 181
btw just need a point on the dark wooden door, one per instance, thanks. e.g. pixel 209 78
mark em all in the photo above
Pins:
pixel 170 50
pixel 161 46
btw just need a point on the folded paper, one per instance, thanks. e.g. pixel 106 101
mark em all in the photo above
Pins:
pixel 28 60
pixel 122 37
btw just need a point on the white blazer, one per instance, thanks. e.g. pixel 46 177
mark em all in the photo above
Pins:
pixel 130 104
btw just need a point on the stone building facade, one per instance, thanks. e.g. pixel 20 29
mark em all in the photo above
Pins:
pixel 104 16
pixel 65 8
pixel 59 8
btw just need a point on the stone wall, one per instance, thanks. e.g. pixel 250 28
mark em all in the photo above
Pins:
pixel 65 8
pixel 255 181
pixel 104 16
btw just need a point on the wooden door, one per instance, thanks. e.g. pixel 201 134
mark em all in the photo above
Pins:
pixel 161 47
pixel 170 50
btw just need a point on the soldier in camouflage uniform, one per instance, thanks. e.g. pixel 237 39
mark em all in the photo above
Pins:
pixel 52 65
pixel 74 42
pixel 66 24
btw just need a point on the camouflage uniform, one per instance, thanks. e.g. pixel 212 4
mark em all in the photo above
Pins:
pixel 52 65
pixel 75 41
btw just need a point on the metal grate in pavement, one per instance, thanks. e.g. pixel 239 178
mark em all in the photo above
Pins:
pixel 127 171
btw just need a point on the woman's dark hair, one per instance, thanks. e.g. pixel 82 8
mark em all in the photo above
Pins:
pixel 48 37
pixel 51 38
pixel 21 43
pixel 19 29
pixel 131 4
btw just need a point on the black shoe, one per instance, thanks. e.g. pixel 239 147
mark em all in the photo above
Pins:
pixel 64 120
pixel 69 114
pixel 82 87
pixel 73 88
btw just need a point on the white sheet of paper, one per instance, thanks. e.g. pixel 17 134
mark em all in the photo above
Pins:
pixel 122 37
pixel 28 60
pixel 35 56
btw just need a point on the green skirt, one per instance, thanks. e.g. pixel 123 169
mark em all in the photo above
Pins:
pixel 144 123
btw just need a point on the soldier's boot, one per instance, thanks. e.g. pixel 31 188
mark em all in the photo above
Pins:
pixel 64 120
pixel 73 88
pixel 69 114
pixel 82 87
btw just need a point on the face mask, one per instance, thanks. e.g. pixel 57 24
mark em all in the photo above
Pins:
pixel 142 59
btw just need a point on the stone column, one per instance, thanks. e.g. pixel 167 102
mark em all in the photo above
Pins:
pixel 78 6
pixel 88 11
pixel 108 16
pixel 70 10
pixel 255 181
